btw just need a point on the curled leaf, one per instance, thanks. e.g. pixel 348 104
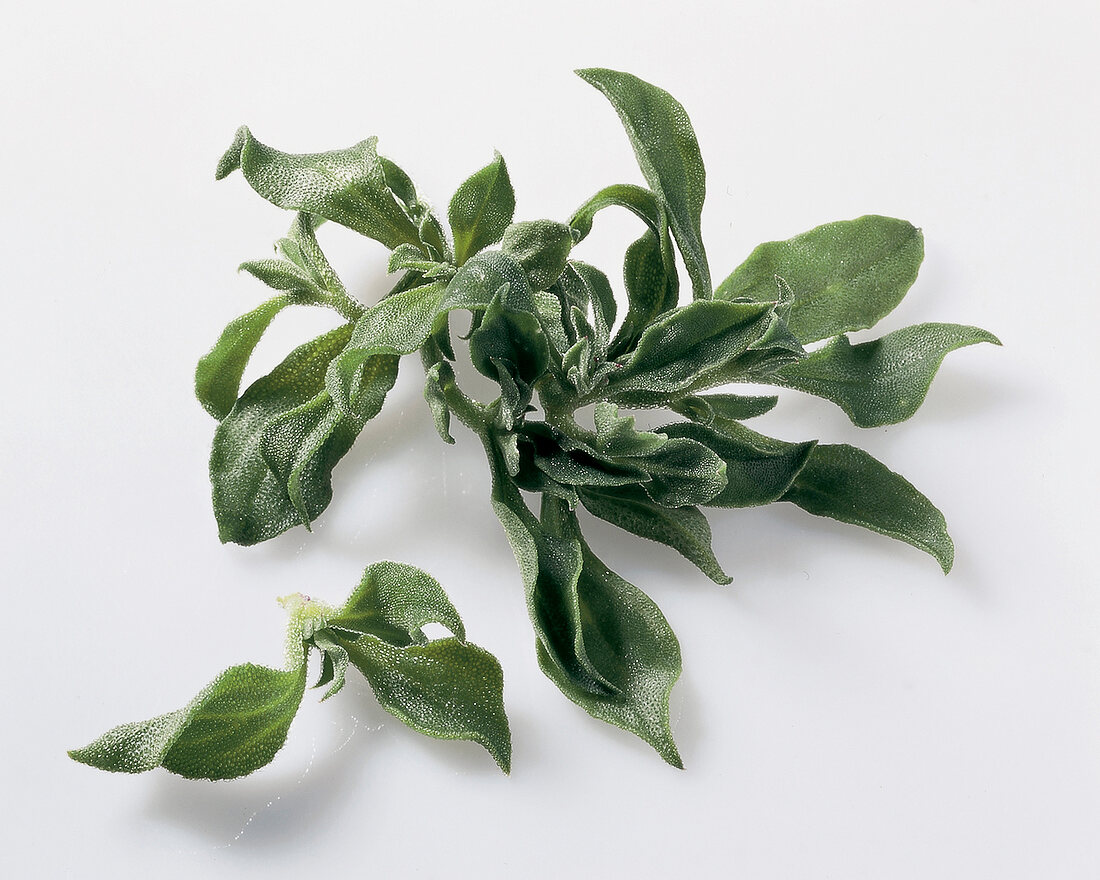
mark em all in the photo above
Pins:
pixel 218 374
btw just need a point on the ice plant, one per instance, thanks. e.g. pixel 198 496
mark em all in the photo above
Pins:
pixel 546 329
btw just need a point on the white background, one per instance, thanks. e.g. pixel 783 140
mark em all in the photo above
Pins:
pixel 845 711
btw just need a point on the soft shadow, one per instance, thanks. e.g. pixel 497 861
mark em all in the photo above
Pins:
pixel 277 805
pixel 276 808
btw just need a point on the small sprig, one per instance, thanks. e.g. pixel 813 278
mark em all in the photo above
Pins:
pixel 546 328
pixel 447 688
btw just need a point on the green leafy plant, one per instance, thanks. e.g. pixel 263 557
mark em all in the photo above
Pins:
pixel 545 328
pixel 447 688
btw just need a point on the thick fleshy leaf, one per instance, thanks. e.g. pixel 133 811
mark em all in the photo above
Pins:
pixel 397 325
pixel 684 347
pixel 550 567
pixel 579 469
pixel 301 248
pixel 616 436
pixel 481 209
pixel 410 257
pixel 651 285
pixel 218 374
pixel 682 472
pixel 302 446
pixel 718 410
pixel 512 337
pixel 759 469
pixel 847 484
pixel 668 153
pixel 640 201
pixel 345 186
pixel 334 663
pixel 541 247
pixel 252 503
pixel 627 639
pixel 842 276
pixel 431 233
pixel 394 601
pixel 602 298
pixel 433 393
pixel 283 275
pixel 882 381
pixel 649 271
pixel 484 276
pixel 399 183
pixel 447 688
pixel 684 529
pixel 234 726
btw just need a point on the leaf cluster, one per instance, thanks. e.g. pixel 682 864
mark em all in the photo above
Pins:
pixel 546 328
pixel 447 688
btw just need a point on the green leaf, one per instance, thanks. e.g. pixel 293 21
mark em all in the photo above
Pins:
pixel 218 374
pixel 399 183
pixel 437 375
pixel 718 410
pixel 847 484
pixel 302 446
pixel 334 663
pixel 550 568
pixel 576 468
pixel 597 291
pixel 397 325
pixel 481 209
pixel 394 601
pixel 682 472
pixel 684 529
pixel 345 186
pixel 409 256
pixel 234 726
pixel 282 275
pixel 482 277
pixel 641 202
pixel 651 288
pixel 627 639
pixel 251 502
pixel 680 349
pixel 301 248
pixel 431 233
pixel 882 381
pixel 617 437
pixel 446 689
pixel 541 247
pixel 668 154
pixel 843 276
pixel 759 469
pixel 512 337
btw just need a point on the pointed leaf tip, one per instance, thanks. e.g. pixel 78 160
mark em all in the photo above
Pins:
pixel 231 158
pixel 668 154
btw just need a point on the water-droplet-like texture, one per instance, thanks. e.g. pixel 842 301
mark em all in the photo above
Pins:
pixel 481 210
pixel 234 726
pixel 446 689
pixel 842 276
pixel 346 186
pixel 668 153
pixel 882 381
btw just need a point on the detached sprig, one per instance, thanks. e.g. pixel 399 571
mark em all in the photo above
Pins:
pixel 446 688
pixel 545 327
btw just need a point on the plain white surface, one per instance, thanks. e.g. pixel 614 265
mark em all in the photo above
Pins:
pixel 844 712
